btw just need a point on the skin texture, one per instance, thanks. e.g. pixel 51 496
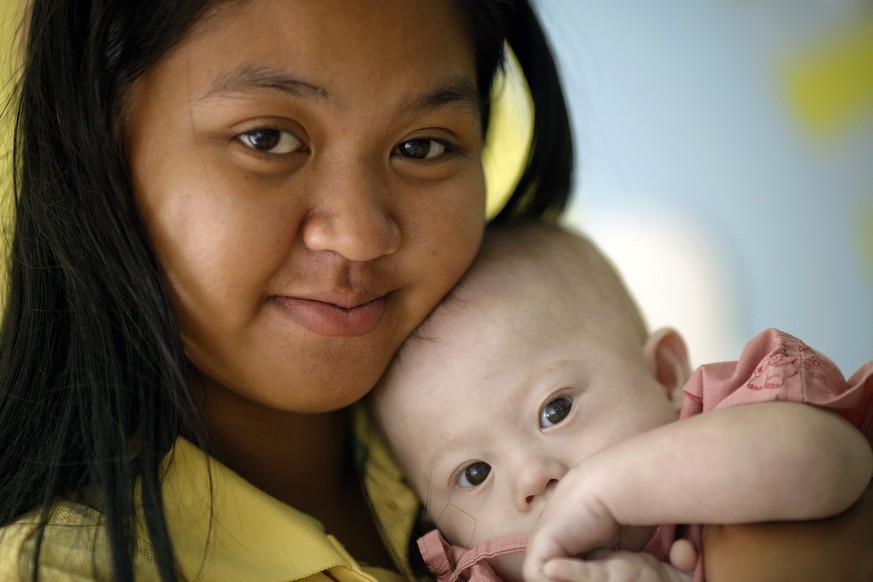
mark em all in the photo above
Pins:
pixel 311 190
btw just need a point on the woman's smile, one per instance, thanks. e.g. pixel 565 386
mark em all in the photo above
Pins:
pixel 332 314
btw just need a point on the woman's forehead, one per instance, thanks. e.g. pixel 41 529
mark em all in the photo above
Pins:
pixel 422 58
pixel 336 31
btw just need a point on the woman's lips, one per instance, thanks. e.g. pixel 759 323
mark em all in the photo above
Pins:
pixel 330 319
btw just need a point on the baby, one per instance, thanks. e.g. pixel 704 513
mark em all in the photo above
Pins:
pixel 535 396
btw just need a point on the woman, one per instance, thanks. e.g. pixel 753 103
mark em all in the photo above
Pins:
pixel 228 217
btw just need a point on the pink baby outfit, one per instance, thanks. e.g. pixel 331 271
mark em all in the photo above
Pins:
pixel 773 366
pixel 456 564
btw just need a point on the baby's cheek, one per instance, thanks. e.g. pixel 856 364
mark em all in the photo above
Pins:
pixel 458 525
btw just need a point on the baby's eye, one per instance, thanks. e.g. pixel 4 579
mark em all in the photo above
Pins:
pixel 271 141
pixel 474 475
pixel 555 411
pixel 421 149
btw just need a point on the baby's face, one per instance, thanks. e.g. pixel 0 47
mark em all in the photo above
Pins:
pixel 489 412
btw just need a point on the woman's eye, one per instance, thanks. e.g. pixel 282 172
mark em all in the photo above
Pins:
pixel 271 141
pixel 421 149
pixel 474 475
pixel 555 411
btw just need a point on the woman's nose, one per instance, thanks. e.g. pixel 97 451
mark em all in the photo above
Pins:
pixel 534 480
pixel 351 215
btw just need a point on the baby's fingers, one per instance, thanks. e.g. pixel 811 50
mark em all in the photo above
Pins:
pixel 538 555
pixel 572 570
pixel 616 567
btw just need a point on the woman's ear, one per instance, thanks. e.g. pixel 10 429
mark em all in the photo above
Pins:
pixel 667 358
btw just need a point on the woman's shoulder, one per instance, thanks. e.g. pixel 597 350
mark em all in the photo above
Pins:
pixel 73 547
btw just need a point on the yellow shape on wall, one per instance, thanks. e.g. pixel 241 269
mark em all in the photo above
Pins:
pixel 831 84
pixel 509 135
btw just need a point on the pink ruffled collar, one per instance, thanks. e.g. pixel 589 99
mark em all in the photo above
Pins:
pixel 455 564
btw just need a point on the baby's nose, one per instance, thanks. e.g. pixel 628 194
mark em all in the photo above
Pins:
pixel 535 481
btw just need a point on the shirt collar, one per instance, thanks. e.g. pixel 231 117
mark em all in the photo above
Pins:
pixel 225 528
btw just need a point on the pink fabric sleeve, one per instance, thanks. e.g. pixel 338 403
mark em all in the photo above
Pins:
pixel 455 564
pixel 778 366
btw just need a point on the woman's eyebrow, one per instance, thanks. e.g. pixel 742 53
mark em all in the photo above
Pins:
pixel 254 77
pixel 457 91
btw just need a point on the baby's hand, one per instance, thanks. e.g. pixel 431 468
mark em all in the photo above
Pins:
pixel 575 521
pixel 609 567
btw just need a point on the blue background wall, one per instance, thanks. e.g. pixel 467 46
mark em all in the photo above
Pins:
pixel 725 155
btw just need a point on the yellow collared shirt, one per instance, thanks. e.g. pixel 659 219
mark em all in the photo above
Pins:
pixel 248 536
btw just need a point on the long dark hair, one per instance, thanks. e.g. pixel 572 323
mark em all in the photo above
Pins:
pixel 93 387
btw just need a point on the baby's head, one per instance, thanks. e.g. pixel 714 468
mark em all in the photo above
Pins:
pixel 536 360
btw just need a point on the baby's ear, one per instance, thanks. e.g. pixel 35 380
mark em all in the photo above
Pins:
pixel 667 357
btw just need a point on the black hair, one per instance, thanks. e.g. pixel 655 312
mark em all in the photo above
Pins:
pixel 92 372
pixel 93 390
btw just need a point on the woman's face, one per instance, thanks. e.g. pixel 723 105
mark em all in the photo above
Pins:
pixel 309 174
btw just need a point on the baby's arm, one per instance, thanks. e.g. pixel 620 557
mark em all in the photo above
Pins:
pixel 748 463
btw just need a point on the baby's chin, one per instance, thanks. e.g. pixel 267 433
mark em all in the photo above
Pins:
pixel 508 566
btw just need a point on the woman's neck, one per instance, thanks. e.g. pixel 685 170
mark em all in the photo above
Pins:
pixel 297 458
pixel 304 460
